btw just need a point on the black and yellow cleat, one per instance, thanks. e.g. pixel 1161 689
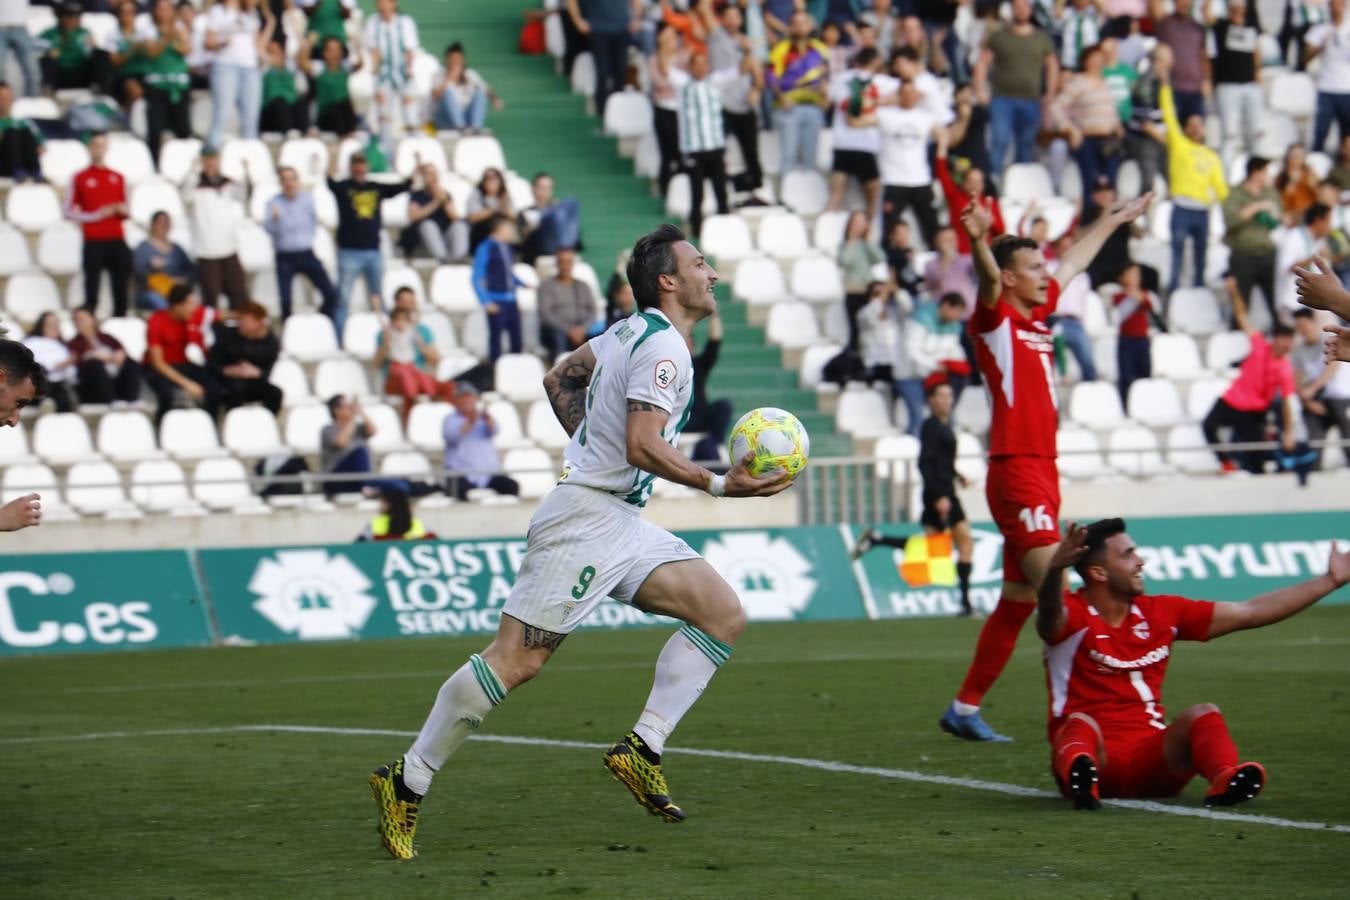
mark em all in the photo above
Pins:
pixel 398 809
pixel 631 764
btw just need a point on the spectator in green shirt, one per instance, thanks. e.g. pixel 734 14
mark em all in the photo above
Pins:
pixel 283 110
pixel 127 61
pixel 20 142
pixel 1119 77
pixel 69 57
pixel 166 77
pixel 327 19
pixel 1250 213
pixel 328 86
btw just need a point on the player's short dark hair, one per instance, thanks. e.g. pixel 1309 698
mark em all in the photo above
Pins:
pixel 1005 246
pixel 952 298
pixel 653 256
pixel 18 365
pixel 1098 533
pixel 865 57
pixel 178 293
pixel 1315 212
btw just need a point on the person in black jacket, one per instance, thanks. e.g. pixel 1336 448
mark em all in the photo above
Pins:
pixel 242 358
pixel 358 233
pixel 713 417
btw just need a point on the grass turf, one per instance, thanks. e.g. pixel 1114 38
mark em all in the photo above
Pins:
pixel 289 815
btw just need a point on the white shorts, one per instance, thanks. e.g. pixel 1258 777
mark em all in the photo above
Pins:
pixel 585 545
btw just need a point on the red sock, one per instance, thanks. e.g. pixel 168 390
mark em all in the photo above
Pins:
pixel 1212 750
pixel 998 637
pixel 1075 738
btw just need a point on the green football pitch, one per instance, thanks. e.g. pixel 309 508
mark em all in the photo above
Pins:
pixel 812 767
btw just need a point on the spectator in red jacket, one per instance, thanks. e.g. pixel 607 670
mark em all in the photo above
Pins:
pixel 958 198
pixel 167 337
pixel 97 199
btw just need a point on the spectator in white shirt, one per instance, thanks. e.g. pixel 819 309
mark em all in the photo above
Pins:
pixel 1296 249
pixel 216 207
pixel 907 180
pixel 1331 41
pixel 391 40
pixel 857 139
pixel 236 38
pixel 53 355
pixel 460 98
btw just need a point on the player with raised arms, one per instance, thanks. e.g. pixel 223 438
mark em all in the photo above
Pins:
pixel 1107 647
pixel 1014 349
pixel 623 397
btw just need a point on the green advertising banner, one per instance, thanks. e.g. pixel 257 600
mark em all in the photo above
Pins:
pixel 384 590
pixel 1208 558
pixel 62 602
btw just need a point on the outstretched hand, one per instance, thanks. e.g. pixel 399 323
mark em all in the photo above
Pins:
pixel 1320 287
pixel 1130 210
pixel 1071 548
pixel 1338 567
pixel 1338 343
pixel 21 512
pixel 741 483
pixel 976 220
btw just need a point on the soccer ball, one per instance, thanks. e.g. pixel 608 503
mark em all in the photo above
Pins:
pixel 775 437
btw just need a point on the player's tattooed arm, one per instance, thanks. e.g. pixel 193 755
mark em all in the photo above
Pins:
pixel 644 406
pixel 566 385
pixel 538 637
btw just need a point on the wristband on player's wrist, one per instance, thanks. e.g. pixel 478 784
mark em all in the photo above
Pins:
pixel 717 485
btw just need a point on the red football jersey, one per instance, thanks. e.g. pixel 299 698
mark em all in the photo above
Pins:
pixel 1016 356
pixel 1115 675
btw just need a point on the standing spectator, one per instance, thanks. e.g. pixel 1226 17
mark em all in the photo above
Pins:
pixel 167 81
pixel 236 36
pixel 468 431
pixel 44 339
pixel 799 79
pixel 343 445
pixel 971 189
pixel 105 374
pixel 127 62
pixel 607 25
pixel 1265 376
pixel 291 221
pixel 328 78
pixel 20 142
pixel 967 135
pixel 1298 246
pixel 391 41
pixel 159 264
pixel 1189 73
pixel 905 66
pixel 550 223
pixel 1081 28
pixel 327 18
pixel 1250 214
pixel 857 139
pixel 283 109
pixel 495 282
pixel 907 181
pixel 167 337
pixel 1089 117
pixel 702 142
pixel 242 358
pixel 198 57
pixel 70 59
pixel 1331 41
pixel 1146 133
pixel 1324 387
pixel 1297 184
pixel 1119 76
pixel 358 233
pixel 434 224
pixel 1136 308
pixel 216 206
pixel 666 71
pixel 1300 17
pixel 949 272
pixel 729 51
pixel 14 36
pixel 1017 67
pixel 406 352
pixel 567 308
pixel 713 417
pixel 1195 175
pixel 857 257
pixel 97 199
pixel 1340 172
pixel 459 100
pixel 490 198
pixel 1237 75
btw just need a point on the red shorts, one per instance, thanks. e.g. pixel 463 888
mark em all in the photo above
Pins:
pixel 1023 495
pixel 1133 766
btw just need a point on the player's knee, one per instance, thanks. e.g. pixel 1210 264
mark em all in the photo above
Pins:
pixel 726 617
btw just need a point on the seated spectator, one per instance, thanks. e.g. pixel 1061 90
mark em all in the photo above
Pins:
pixel 406 352
pixel 168 335
pixel 70 58
pixel 712 417
pixel 460 97
pixel 1067 320
pixel 958 197
pixel 567 308
pixel 126 56
pixel 343 447
pixel 391 40
pixel 97 199
pixel 1251 214
pixel 495 282
pixel 167 79
pixel 20 142
pixel 159 264
pixel 435 226
pixel 933 347
pixel 1323 387
pixel 242 358
pixel 1298 246
pixel 881 348
pixel 52 354
pixel 216 206
pixel 238 39
pixel 489 199
pixel 469 451
pixel 283 109
pixel 395 520
pixel 333 110
pixel 1137 308
pixel 1297 184
pixel 106 375
pixel 550 223
pixel 1265 375
pixel 1340 172
pixel 360 221
pixel 620 304
pixel 949 272
pixel 857 257
pixel 291 222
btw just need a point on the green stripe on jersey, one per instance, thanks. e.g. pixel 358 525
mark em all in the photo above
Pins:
pixel 654 324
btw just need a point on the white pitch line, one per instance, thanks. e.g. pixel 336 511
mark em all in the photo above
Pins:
pixel 823 765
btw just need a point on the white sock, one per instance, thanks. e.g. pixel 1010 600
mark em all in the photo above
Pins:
pixel 964 709
pixel 460 705
pixel 686 664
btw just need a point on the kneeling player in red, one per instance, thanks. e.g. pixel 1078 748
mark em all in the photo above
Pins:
pixel 1106 654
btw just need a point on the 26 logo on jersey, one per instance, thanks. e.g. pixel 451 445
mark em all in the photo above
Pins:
pixel 665 374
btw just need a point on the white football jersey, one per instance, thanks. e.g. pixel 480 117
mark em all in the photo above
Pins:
pixel 642 358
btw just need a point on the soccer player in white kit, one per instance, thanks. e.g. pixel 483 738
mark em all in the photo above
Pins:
pixel 623 397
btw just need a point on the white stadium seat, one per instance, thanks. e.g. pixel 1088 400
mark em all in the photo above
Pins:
pixel 1096 404
pixel 360 335
pixel 252 432
pixel 256 251
pixel 628 114
pixel 1176 356
pixel 223 484
pixel 309 337
pixel 1155 402
pixel 1196 311
pixel 828 232
pixel 160 486
pixel 155 195
pixel 413 147
pixel 14 450
pixel 189 434
pixel 813 364
pixel 1188 451
pixel 543 428
pixel 726 238
pixel 28 478
pixel 1293 94
pixel 13 252
pixel 62 439
pixel 862 412
pixel 388 436
pixel 1201 396
pixel 474 337
pixel 60 159
pixel 805 193
pixel 816 279
pixel 289 375
pixel 520 376
pixel 759 282
pixel 59 249
pixel 782 235
pixel 32 207
pixel 1226 349
pixel 533 469
pixel 1080 454
pixel 341 376
pixel 129 156
pixel 424 425
pixel 680 197
pixel 30 294
pixel 1133 449
pixel 1025 182
pixel 792 324
pixel 304 425
pixel 307 156
pixel 583 75
pixel 126 436
pixel 397 277
pixel 896 455
pixel 972 411
pixel 510 432
pixel 406 464
pixel 241 152
pixel 475 154
pixel 970 457
pixel 177 156
pixel 96 488
pixel 452 289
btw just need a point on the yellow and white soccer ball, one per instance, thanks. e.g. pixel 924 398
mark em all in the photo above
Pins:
pixel 775 437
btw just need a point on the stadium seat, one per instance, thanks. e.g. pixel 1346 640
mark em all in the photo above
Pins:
pixel 455 363
pixel 628 114
pixel 477 153
pixel 816 279
pixel 59 249
pixel 1133 449
pixel 972 411
pixel 792 324
pixel 897 456
pixel 13 252
pixel 304 424
pixel 424 425
pixel 1080 454
pixel 289 375
pixel 782 236
pixel 533 469
pixel 309 337
pixel 239 153
pixel 726 238
pixel 452 289
pixel 828 232
pixel 160 486
pixel 413 147
pixel 474 337
pixel 1096 404
pixel 14 450
pixel 1025 182
pixel 1095 320
pixel 251 432
pixel 61 159
pixel 1187 450
pixel 442 329
pixel 388 436
pixel 341 376
pixel 177 157
pixel 679 197
pixel 155 195
pixel 32 207
pixel 407 464
pixel 1201 396
pixel 543 428
pixel 1321 164
pixel 510 433
pixel 27 478
pixel 1196 311
pixel 1104 353
pixel 95 488
pixel 1276 132
pixel 583 75
pixel 125 436
pixel 189 434
pixel 1226 349
pixel 805 193
pixel 62 439
pixel 519 376
pixel 129 156
pixel 862 413
pixel 223 484
pixel 256 251
pixel 647 157
pixel 394 213
pixel 1176 356
pixel 1155 402
pixel 308 156
pixel 360 335
pixel 813 364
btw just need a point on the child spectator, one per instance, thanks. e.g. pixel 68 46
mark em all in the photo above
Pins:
pixel 406 352
pixel 391 41
pixel 333 109
pixel 283 111
pixel 495 283
pixel 460 98
pixel 1136 309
